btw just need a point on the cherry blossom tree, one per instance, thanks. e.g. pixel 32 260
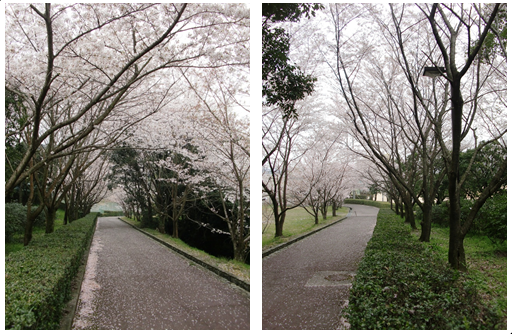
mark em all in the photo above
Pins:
pixel 284 137
pixel 282 152
pixel 321 173
pixel 87 185
pixel 225 137
pixel 86 74
pixel 99 62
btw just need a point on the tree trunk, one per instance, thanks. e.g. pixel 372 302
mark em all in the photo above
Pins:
pixel 144 222
pixel 456 253
pixel 161 226
pixel 456 256
pixel 239 249
pixel 66 207
pixel 50 219
pixel 150 211
pixel 409 213
pixel 324 211
pixel 279 224
pixel 426 224
pixel 175 233
pixel 72 210
pixel 27 237
pixel 334 207
pixel 237 254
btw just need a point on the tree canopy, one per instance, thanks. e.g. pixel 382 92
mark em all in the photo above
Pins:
pixel 283 82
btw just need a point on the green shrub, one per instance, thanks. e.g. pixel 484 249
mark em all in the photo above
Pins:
pixel 367 202
pixel 16 217
pixel 38 278
pixel 112 213
pixel 440 215
pixel 492 218
pixel 490 221
pixel 401 284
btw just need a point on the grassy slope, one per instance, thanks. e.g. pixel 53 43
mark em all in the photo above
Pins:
pixel 298 221
pixel 487 265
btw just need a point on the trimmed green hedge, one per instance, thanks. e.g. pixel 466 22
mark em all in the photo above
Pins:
pixel 112 213
pixel 381 205
pixel 402 284
pixel 38 278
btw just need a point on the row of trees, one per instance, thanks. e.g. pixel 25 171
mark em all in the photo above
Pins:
pixel 190 169
pixel 75 181
pixel 80 77
pixel 423 139
pixel 305 162
pixel 415 129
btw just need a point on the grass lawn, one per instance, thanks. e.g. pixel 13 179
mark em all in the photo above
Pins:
pixel 238 269
pixel 298 221
pixel 38 231
pixel 487 266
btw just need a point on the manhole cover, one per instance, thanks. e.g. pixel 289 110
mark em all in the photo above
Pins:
pixel 338 277
pixel 331 278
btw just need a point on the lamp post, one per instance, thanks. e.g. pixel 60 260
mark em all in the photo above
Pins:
pixel 433 72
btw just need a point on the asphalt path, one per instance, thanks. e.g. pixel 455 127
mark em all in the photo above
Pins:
pixel 133 282
pixel 306 284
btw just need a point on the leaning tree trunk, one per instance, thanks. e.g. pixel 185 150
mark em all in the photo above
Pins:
pixel 66 206
pixel 409 212
pixel 27 237
pixel 426 224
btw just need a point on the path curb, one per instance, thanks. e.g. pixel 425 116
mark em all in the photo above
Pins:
pixel 66 322
pixel 288 243
pixel 217 271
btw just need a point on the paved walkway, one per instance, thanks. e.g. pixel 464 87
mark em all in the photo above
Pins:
pixel 134 282
pixel 305 284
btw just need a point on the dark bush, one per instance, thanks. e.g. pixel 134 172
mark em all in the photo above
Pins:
pixel 38 278
pixel 201 236
pixel 490 221
pixel 440 215
pixel 16 217
pixel 492 218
